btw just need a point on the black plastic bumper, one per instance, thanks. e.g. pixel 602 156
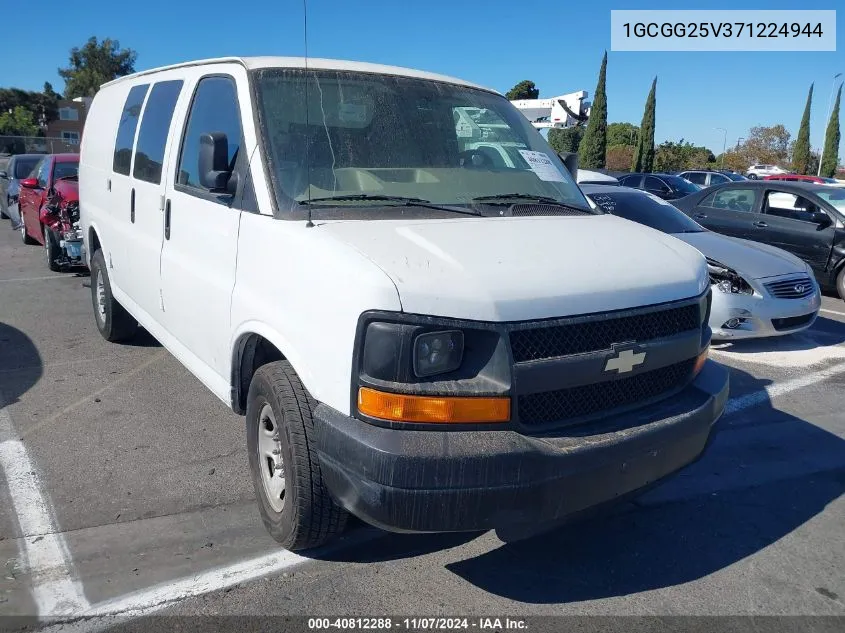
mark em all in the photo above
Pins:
pixel 446 481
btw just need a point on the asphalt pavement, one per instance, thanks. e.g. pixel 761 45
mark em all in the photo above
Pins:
pixel 125 490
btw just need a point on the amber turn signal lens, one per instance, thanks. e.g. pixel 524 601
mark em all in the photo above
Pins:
pixel 699 362
pixel 432 409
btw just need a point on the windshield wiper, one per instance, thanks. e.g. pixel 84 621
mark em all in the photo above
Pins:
pixel 501 198
pixel 404 201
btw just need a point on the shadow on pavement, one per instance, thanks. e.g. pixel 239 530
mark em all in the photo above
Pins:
pixel 20 364
pixel 765 474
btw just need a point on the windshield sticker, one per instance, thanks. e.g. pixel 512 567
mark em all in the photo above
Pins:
pixel 542 165
pixel 605 201
pixel 352 113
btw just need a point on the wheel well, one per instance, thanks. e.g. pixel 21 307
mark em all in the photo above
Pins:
pixel 94 241
pixel 251 352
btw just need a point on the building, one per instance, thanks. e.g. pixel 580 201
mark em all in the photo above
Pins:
pixel 71 120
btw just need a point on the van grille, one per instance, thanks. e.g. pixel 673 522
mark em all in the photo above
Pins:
pixel 579 402
pixel 794 288
pixel 537 343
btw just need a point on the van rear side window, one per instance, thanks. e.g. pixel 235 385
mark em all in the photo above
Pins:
pixel 152 138
pixel 126 130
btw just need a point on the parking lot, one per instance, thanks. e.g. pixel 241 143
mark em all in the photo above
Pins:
pixel 125 490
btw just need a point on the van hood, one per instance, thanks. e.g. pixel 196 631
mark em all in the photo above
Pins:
pixel 750 259
pixel 513 269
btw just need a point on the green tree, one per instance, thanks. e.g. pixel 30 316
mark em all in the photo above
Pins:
pixel 644 154
pixel 619 157
pixel 622 134
pixel 523 90
pixel 801 151
pixel 49 92
pixel 830 154
pixel 672 156
pixel 18 122
pixel 591 154
pixel 95 64
pixel 566 139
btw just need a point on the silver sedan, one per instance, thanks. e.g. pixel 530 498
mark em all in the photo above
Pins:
pixel 758 290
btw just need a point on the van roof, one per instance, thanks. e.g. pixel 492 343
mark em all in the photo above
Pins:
pixel 251 63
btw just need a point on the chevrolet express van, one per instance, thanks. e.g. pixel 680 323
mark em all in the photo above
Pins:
pixel 416 334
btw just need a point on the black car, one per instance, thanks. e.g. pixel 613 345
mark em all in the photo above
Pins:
pixel 806 219
pixel 18 168
pixel 666 186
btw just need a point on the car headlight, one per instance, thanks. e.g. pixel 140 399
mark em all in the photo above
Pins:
pixel 736 285
pixel 438 352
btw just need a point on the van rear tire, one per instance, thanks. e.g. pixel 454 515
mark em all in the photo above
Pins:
pixel 113 321
pixel 297 511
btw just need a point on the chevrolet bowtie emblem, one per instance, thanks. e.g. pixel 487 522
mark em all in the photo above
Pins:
pixel 625 361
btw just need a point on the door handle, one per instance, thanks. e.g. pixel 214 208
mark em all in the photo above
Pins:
pixel 167 220
pixel 701 216
pixel 132 206
pixel 760 225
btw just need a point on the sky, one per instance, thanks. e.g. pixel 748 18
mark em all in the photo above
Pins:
pixel 495 43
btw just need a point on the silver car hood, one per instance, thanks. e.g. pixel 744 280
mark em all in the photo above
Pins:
pixel 750 259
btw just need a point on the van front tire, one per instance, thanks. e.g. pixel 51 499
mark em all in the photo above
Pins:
pixel 113 321
pixel 295 505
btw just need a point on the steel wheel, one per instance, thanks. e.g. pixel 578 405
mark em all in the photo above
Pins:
pixel 270 458
pixel 101 297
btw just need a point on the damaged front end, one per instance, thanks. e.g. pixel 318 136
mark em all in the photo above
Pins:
pixel 729 282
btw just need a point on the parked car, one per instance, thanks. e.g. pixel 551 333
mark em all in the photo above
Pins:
pixel 405 344
pixel 707 178
pixel 60 218
pixel 758 290
pixel 806 219
pixel 18 168
pixel 666 186
pixel 761 171
pixel 819 180
pixel 35 193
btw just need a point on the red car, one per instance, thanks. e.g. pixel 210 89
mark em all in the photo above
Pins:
pixel 36 192
pixel 801 178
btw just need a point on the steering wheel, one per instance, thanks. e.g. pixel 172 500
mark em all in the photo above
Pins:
pixel 475 159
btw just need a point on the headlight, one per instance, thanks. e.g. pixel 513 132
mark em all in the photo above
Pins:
pixel 438 352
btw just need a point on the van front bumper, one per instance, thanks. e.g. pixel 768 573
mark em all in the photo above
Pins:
pixel 452 481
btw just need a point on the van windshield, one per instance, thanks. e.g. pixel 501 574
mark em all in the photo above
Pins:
pixel 362 137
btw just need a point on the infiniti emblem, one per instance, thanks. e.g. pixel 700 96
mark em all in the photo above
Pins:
pixel 800 289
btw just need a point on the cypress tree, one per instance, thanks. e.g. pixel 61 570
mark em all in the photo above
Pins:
pixel 801 153
pixel 831 140
pixel 644 154
pixel 594 144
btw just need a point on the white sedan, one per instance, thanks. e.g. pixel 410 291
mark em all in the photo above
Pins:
pixel 758 290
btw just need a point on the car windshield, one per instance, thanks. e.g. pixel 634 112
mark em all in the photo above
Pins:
pixel 833 196
pixel 349 136
pixel 645 208
pixel 681 184
pixel 24 166
pixel 734 177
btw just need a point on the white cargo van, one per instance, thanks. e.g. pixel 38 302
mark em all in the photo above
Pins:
pixel 417 335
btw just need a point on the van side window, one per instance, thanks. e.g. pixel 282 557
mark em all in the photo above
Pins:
pixel 155 125
pixel 126 130
pixel 214 109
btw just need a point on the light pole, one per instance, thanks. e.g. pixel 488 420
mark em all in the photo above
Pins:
pixel 738 141
pixel 724 145
pixel 829 104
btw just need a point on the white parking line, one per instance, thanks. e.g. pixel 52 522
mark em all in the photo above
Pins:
pixel 825 310
pixel 755 398
pixel 54 590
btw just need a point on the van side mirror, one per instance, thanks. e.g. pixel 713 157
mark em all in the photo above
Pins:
pixel 570 159
pixel 214 171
